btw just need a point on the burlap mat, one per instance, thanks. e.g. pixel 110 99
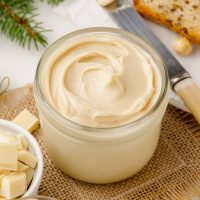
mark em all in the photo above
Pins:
pixel 173 173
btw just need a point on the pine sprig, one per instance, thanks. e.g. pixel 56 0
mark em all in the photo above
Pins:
pixel 17 22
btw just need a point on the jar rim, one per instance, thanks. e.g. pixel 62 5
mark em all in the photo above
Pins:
pixel 126 35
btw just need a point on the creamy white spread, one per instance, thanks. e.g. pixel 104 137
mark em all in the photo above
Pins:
pixel 101 80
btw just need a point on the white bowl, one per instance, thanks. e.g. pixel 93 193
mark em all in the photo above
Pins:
pixel 33 146
pixel 38 197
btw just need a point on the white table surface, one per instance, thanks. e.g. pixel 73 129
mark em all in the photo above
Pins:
pixel 20 64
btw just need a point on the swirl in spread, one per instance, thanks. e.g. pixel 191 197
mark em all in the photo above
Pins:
pixel 101 80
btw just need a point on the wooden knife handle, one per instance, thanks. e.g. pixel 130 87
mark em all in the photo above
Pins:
pixel 190 94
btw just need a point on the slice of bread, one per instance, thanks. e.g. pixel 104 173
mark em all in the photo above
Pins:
pixel 181 16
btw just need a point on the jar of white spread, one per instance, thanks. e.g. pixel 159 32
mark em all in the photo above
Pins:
pixel 101 95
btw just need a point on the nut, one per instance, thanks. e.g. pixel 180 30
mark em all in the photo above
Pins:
pixel 105 2
pixel 182 46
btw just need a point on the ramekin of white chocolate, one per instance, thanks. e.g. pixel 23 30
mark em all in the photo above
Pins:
pixel 101 95
pixel 38 197
pixel 21 162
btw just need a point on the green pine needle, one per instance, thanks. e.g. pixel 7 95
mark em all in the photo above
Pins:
pixel 55 2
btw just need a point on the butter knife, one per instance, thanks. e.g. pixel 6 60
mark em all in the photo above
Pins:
pixel 124 14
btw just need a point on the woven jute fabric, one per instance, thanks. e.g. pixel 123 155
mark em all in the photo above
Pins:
pixel 173 172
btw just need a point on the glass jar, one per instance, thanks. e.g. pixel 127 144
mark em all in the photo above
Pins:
pixel 101 155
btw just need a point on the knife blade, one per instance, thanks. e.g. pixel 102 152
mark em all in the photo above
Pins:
pixel 124 14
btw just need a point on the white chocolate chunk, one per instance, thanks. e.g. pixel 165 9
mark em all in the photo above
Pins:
pixel 1 177
pixel 29 175
pixel 105 2
pixel 8 157
pixel 21 167
pixel 27 120
pixel 16 165
pixel 9 138
pixel 27 158
pixel 4 172
pixel 13 185
pixel 182 46
pixel 21 139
